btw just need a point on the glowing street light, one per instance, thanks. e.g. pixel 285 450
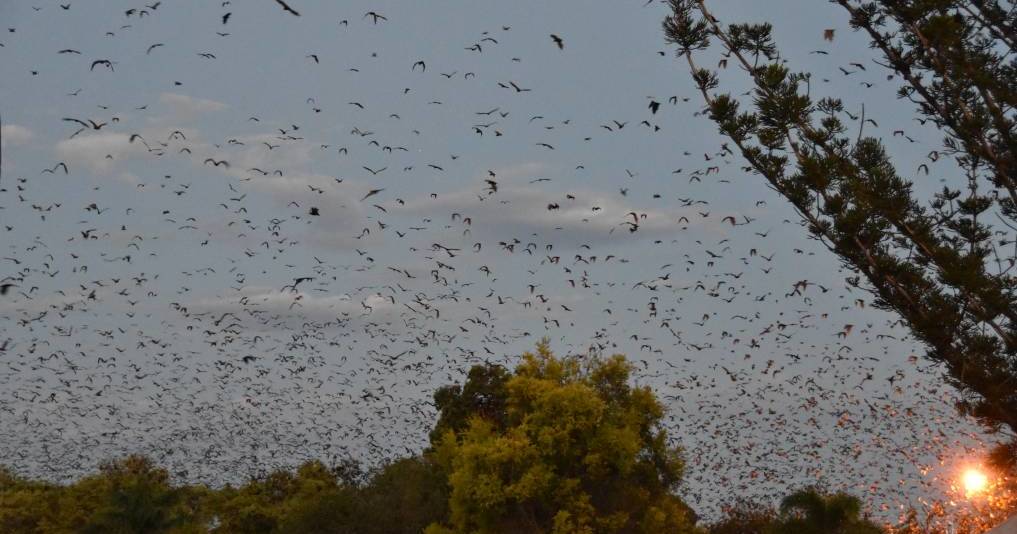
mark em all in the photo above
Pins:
pixel 975 482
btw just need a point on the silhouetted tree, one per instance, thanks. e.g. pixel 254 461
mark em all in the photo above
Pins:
pixel 745 518
pixel 944 263
pixel 810 512
pixel 483 395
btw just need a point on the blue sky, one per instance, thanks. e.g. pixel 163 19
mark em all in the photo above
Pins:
pixel 763 393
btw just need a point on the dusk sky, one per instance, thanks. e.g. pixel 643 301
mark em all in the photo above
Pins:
pixel 275 237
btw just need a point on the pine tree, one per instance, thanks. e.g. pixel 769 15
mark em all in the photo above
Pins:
pixel 943 263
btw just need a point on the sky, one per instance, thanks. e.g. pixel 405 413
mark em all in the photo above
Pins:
pixel 277 238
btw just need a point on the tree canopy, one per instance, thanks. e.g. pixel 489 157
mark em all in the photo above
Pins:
pixel 574 449
pixel 806 511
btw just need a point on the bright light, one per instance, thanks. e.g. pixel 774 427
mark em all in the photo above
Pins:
pixel 975 481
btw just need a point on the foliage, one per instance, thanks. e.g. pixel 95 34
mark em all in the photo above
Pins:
pixel 576 450
pixel 806 511
pixel 745 518
pixel 126 496
pixel 132 496
pixel 401 497
pixel 405 496
pixel 25 506
pixel 941 263
pixel 810 512
pixel 482 396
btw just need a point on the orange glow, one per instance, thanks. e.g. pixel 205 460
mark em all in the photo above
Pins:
pixel 975 481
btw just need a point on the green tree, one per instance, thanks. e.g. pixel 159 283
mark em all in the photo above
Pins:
pixel 941 263
pixel 482 396
pixel 130 496
pixel 315 501
pixel 405 496
pixel 27 506
pixel 576 450
pixel 255 507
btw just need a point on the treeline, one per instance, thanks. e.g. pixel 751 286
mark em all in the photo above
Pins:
pixel 560 445
pixel 132 495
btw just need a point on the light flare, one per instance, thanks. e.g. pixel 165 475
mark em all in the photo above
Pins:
pixel 975 482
